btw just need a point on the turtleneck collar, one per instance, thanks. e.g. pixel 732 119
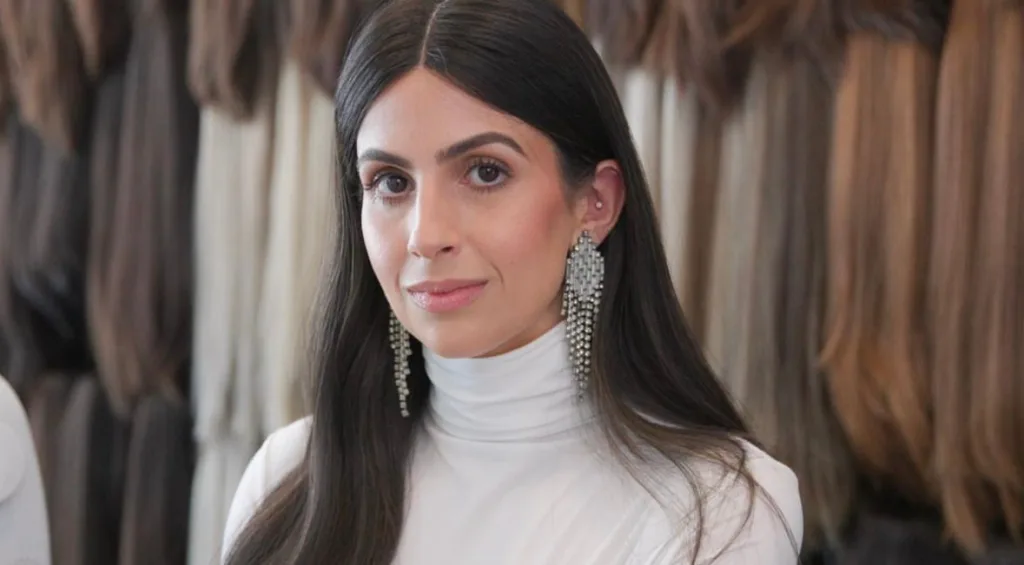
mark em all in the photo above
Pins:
pixel 527 393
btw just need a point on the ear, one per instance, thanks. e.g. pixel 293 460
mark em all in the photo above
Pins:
pixel 601 202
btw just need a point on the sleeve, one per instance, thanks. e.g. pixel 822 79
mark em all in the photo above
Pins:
pixel 771 536
pixel 24 529
pixel 279 454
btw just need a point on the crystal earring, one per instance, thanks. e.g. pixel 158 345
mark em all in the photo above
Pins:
pixel 584 281
pixel 399 338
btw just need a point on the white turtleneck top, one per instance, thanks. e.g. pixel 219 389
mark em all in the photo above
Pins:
pixel 510 470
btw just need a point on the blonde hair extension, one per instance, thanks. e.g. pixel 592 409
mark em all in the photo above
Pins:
pixel 744 146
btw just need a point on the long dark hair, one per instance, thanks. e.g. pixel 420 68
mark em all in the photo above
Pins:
pixel 652 387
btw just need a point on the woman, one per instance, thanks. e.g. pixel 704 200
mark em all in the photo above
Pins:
pixel 24 527
pixel 466 410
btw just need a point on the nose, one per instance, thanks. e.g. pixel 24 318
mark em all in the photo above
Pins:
pixel 434 232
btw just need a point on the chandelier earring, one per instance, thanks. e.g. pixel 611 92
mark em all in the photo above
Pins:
pixel 399 338
pixel 581 299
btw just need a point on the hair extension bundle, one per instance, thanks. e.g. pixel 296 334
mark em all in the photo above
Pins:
pixel 46 402
pixel 53 283
pixel 21 157
pixel 995 421
pixel 46 68
pixel 103 32
pixel 158 485
pixel 784 387
pixel 89 479
pixel 141 271
pixel 691 136
pixel 42 311
pixel 230 52
pixel 622 28
pixel 745 142
pixel 880 189
pixel 687 40
pixel 962 121
pixel 319 35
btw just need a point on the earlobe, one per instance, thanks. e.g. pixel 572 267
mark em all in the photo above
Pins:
pixel 604 200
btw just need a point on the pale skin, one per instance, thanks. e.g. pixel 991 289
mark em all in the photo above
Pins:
pixel 456 190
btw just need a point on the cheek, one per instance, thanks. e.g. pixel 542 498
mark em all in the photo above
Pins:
pixel 384 247
pixel 534 242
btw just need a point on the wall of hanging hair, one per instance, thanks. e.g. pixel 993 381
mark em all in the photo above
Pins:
pixel 839 183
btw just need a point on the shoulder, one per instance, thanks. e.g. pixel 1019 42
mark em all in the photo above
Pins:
pixel 280 453
pixel 24 530
pixel 760 522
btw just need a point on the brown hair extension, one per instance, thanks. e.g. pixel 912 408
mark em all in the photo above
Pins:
pixel 319 35
pixel 622 27
pixel 996 417
pixel 968 504
pixel 161 458
pixel 230 49
pixel 89 478
pixel 141 260
pixel 786 394
pixel 103 32
pixel 46 68
pixel 880 189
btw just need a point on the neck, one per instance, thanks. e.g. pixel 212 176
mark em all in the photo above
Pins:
pixel 527 393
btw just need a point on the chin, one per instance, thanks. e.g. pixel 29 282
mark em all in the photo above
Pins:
pixel 456 339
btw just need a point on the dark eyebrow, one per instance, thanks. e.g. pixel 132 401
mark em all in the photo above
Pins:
pixel 479 140
pixel 446 154
pixel 384 157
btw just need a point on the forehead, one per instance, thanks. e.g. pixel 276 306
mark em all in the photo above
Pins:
pixel 421 112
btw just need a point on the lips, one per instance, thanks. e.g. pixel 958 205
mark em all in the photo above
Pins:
pixel 445 296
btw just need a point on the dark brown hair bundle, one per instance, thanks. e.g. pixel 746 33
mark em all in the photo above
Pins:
pixel 231 48
pixel 158 485
pixel 141 262
pixel 47 70
pixel 86 521
pixel 103 28
pixel 44 203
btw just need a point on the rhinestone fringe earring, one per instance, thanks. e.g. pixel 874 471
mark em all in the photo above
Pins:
pixel 584 281
pixel 399 338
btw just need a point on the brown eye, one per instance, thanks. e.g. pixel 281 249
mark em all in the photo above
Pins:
pixel 487 174
pixel 391 184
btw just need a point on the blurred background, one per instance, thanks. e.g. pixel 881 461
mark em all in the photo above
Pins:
pixel 839 187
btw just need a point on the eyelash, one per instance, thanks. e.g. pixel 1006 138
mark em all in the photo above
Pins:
pixel 475 163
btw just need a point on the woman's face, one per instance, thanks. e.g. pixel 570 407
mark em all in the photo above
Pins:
pixel 465 216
